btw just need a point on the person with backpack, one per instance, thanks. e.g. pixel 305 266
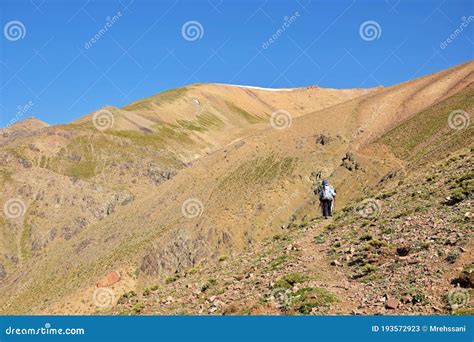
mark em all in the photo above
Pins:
pixel 327 195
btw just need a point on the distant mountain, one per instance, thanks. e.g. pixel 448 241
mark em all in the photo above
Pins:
pixel 20 129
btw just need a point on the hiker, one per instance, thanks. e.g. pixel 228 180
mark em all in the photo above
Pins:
pixel 327 195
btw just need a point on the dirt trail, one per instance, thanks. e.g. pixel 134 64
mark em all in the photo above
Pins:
pixel 315 260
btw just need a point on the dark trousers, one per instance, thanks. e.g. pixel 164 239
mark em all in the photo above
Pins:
pixel 326 206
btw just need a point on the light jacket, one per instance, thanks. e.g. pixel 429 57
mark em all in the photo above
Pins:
pixel 327 192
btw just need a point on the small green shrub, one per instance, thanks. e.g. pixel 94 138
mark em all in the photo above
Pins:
pixel 377 243
pixel 137 308
pixel 126 296
pixel 320 239
pixel 289 280
pixel 463 312
pixel 172 279
pixel 366 237
pixel 277 262
pixel 304 300
pixel 210 283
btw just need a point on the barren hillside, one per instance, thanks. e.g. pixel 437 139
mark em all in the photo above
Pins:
pixel 210 186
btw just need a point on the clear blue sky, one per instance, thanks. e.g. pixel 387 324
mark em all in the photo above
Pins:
pixel 46 67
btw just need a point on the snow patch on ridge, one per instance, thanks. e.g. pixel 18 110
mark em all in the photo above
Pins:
pixel 258 88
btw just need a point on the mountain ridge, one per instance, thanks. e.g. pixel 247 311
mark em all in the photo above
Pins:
pixel 240 187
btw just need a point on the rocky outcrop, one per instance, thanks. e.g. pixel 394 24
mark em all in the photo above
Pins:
pixel 82 245
pixel 389 176
pixel 180 251
pixel 349 162
pixel 158 175
pixel 322 139
pixel 77 226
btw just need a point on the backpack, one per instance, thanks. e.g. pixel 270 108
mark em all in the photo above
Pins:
pixel 326 193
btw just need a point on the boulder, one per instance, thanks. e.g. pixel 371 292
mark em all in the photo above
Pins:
pixel 391 303
pixel 322 139
pixel 403 250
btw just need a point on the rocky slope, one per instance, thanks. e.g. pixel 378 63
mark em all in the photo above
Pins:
pixel 181 191
pixel 406 250
pixel 404 247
